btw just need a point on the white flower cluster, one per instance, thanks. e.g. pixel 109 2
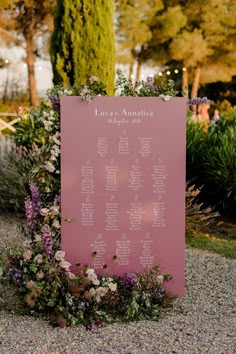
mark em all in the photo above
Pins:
pixel 59 256
pixel 49 118
pixel 106 284
pixel 53 212
pixel 55 152
pixel 64 92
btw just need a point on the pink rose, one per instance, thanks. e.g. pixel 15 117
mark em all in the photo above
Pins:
pixel 59 255
pixel 65 265
pixel 101 291
pixel 38 259
pixel 40 275
pixel 94 78
pixel 27 255
pixel 84 91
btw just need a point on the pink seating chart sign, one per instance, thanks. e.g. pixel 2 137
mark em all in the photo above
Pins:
pixel 123 184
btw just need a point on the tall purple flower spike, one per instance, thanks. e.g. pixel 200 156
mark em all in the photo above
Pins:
pixel 32 206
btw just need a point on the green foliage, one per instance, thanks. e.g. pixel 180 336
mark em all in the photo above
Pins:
pixel 195 148
pixel 211 160
pixel 220 164
pixel 29 131
pixel 39 128
pixel 83 42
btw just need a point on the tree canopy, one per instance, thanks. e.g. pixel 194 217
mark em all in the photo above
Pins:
pixel 22 22
pixel 83 42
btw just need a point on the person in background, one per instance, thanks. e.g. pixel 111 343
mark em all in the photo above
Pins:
pixel 216 116
pixel 203 114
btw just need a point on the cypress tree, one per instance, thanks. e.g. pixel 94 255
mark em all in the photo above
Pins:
pixel 83 42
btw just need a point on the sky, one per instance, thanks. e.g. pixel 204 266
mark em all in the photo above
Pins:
pixel 16 72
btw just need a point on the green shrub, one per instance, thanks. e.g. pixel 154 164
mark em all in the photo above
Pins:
pixel 220 166
pixel 195 149
pixel 15 169
pixel 211 160
pixel 30 129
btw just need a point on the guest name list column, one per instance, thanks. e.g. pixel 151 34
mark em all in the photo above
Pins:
pixel 123 184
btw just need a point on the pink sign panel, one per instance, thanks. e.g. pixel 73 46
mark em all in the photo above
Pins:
pixel 123 184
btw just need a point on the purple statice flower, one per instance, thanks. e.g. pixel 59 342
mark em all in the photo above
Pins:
pixel 81 305
pixel 198 100
pixel 46 235
pixel 149 84
pixel 55 102
pixel 130 280
pixel 15 275
pixel 158 295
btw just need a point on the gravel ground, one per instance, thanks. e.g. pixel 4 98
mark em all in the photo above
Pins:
pixel 204 321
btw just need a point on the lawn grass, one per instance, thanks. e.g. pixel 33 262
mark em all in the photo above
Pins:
pixel 213 244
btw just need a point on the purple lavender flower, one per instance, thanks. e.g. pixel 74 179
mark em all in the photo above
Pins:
pixel 35 196
pixel 29 212
pixel 32 206
pixel 15 275
pixel 55 102
pixel 47 239
pixel 198 100
pixel 130 280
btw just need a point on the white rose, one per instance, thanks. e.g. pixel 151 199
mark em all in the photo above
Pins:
pixel 71 275
pixel 38 259
pixel 49 167
pixel 90 271
pixel 38 238
pixel 160 279
pixel 44 211
pixel 101 291
pixel 26 243
pixel 59 256
pixel 94 279
pixel 112 286
pixel 54 209
pixel 65 265
pixel 56 224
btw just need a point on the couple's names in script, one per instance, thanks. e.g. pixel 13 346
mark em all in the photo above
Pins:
pixel 124 113
pixel 124 116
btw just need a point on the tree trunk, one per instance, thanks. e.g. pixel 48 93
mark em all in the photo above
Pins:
pixel 131 68
pixel 34 100
pixel 138 70
pixel 185 82
pixel 196 82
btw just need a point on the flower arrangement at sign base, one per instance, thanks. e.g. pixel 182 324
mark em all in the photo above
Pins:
pixel 39 268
